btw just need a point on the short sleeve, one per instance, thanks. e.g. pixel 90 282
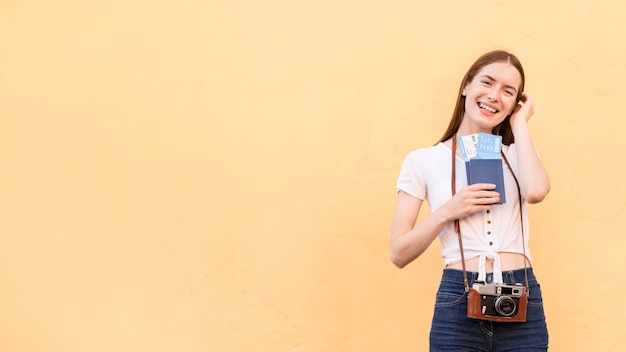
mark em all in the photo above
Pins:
pixel 410 179
pixel 511 154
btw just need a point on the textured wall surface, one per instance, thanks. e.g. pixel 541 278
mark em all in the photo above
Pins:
pixel 220 175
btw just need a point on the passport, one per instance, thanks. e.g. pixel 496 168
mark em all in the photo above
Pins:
pixel 486 171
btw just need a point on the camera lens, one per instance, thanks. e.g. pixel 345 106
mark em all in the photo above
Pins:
pixel 505 306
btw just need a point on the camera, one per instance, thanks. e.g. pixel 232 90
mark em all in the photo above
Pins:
pixel 499 300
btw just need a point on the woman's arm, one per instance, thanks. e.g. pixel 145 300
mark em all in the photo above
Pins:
pixel 533 178
pixel 409 241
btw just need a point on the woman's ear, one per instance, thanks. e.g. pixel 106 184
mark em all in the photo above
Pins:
pixel 464 90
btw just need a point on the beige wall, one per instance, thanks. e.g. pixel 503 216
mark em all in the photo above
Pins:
pixel 219 175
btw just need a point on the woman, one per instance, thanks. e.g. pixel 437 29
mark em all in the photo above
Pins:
pixel 491 100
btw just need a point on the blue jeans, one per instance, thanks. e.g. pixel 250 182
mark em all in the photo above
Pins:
pixel 452 331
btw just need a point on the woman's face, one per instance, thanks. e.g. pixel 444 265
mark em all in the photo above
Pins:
pixel 490 96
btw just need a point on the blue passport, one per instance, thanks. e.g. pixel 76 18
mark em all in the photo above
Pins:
pixel 486 171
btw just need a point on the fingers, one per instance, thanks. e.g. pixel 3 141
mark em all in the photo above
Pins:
pixel 524 98
pixel 490 198
pixel 481 186
pixel 483 197
pixel 523 110
pixel 480 194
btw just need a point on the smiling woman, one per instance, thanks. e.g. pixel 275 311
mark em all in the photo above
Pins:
pixel 490 97
pixel 494 249
pixel 499 58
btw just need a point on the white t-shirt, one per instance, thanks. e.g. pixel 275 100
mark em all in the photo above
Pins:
pixel 426 174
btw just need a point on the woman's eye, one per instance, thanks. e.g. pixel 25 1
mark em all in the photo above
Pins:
pixel 509 93
pixel 487 83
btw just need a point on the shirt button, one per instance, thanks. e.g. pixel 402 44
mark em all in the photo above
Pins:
pixel 489 232
pixel 491 243
pixel 489 221
pixel 488 211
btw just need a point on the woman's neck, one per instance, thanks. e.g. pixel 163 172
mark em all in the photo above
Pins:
pixel 468 131
pixel 467 128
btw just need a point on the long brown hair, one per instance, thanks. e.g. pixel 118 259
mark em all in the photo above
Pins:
pixel 504 128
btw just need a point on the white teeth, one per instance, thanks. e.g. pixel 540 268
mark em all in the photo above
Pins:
pixel 485 107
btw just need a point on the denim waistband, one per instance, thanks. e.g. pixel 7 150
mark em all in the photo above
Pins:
pixel 509 277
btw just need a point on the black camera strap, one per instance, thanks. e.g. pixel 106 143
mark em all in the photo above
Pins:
pixel 457 225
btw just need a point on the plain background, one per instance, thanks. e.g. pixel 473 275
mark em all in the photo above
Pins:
pixel 220 175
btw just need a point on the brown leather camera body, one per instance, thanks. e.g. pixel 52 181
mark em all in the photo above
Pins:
pixel 474 309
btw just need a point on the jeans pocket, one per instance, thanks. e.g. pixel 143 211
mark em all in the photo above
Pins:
pixel 448 299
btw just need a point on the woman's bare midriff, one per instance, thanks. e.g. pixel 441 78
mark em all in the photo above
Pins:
pixel 508 261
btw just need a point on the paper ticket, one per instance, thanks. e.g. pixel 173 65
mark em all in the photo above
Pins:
pixel 468 145
pixel 489 146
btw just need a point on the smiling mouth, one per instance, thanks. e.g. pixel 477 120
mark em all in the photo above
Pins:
pixel 488 108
